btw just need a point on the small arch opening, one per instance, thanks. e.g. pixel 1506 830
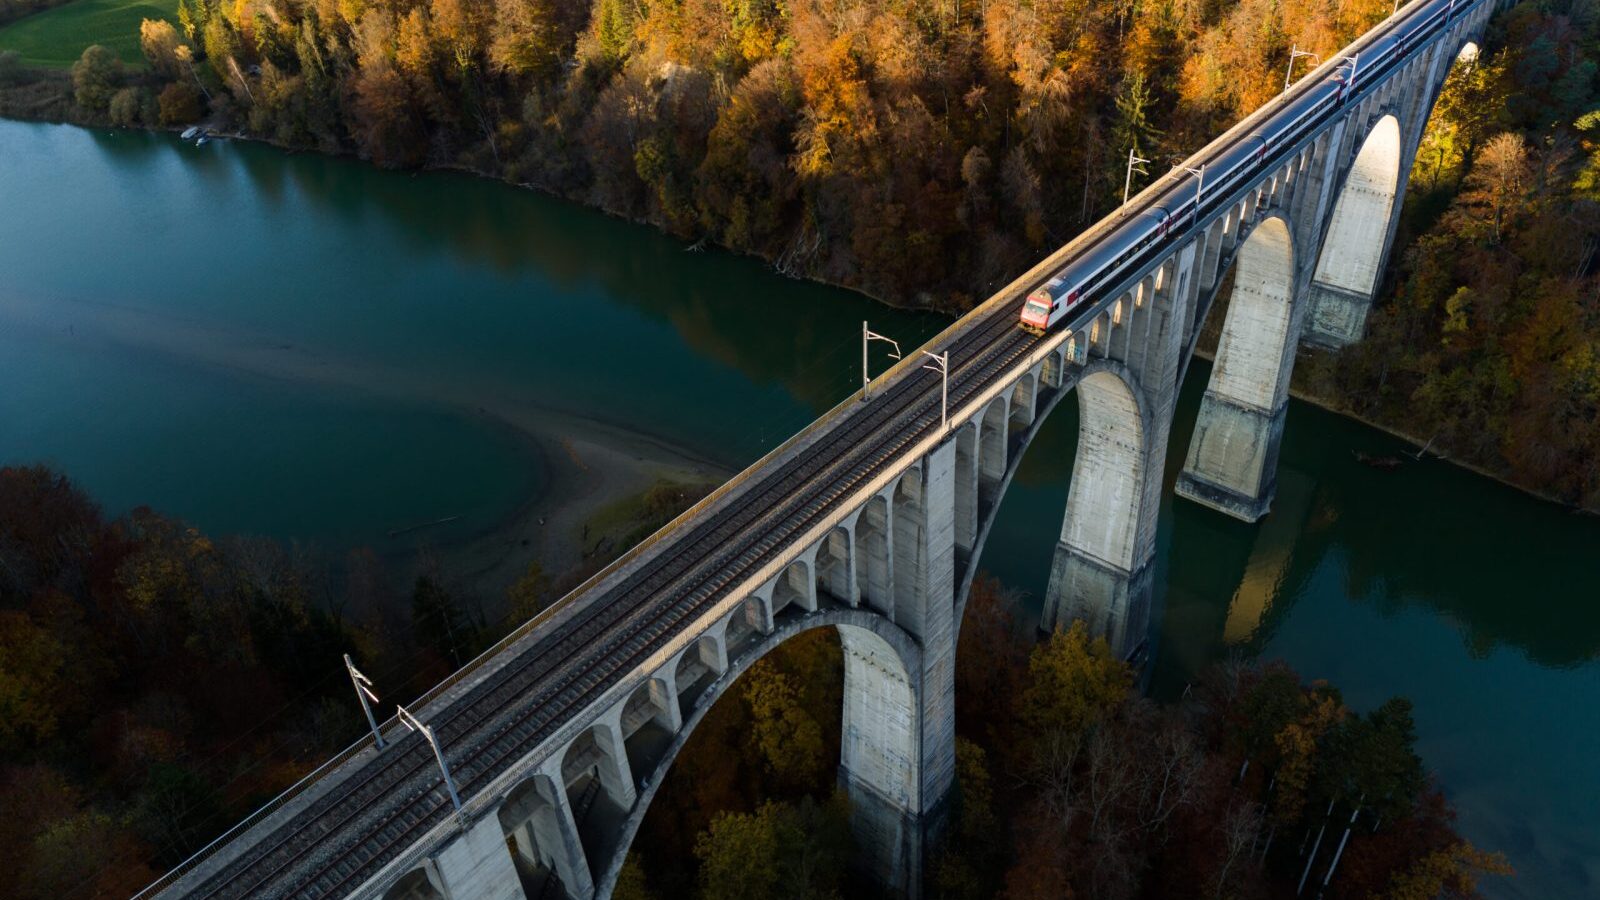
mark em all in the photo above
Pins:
pixel 833 569
pixel 744 628
pixel 991 454
pixel 793 589
pixel 967 480
pixel 697 668
pixel 594 791
pixel 646 729
pixel 910 568
pixel 531 822
pixel 872 555
pixel 414 885
pixel 1021 406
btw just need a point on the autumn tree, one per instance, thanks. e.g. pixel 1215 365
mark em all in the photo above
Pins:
pixel 159 42
pixel 790 852
pixel 95 77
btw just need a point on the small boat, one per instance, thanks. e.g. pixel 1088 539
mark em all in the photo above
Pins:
pixel 1384 463
pixel 191 132
pixel 201 140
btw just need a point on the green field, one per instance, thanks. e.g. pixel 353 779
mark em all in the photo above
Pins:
pixel 56 37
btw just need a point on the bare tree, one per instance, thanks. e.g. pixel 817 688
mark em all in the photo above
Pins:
pixel 1240 825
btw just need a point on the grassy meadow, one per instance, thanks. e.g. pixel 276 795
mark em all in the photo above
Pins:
pixel 56 37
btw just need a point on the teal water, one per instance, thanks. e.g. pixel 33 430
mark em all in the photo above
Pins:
pixel 315 350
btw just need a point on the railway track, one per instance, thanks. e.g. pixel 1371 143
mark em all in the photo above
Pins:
pixel 346 836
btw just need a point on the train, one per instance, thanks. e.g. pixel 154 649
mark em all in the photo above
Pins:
pixel 1167 218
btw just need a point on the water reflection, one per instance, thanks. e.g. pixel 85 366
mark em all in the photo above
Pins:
pixel 1503 568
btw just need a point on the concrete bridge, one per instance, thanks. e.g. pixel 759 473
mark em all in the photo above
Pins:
pixel 872 522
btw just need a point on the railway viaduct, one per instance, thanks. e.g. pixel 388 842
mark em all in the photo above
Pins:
pixel 872 522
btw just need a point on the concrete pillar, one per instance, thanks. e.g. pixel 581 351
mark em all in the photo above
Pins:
pixel 1102 568
pixel 897 758
pixel 937 637
pixel 560 836
pixel 1232 459
pixel 477 864
pixel 878 759
pixel 664 689
pixel 1356 243
pixel 537 816
pixel 1102 561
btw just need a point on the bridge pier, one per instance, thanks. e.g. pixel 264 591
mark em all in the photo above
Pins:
pixel 1338 315
pixel 897 759
pixel 1356 242
pixel 1232 461
pixel 1233 458
pixel 1103 564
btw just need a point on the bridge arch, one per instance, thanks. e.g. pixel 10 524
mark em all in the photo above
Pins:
pixel 646 724
pixel 744 626
pixel 1232 458
pixel 833 564
pixel 992 440
pixel 879 749
pixel 697 667
pixel 599 787
pixel 794 587
pixel 531 819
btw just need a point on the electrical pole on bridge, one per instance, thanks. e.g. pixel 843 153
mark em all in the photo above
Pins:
pixel 1135 165
pixel 364 693
pixel 1296 53
pixel 868 335
pixel 941 364
pixel 413 723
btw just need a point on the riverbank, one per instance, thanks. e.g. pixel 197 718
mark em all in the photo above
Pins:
pixel 592 468
pixel 1426 447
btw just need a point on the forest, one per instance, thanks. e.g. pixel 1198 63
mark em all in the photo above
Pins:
pixel 1488 345
pixel 157 684
pixel 1069 784
pixel 923 151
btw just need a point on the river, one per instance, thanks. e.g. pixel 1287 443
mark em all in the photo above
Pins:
pixel 311 349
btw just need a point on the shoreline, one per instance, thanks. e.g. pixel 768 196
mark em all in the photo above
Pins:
pixel 679 455
pixel 589 466
pixel 1423 448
